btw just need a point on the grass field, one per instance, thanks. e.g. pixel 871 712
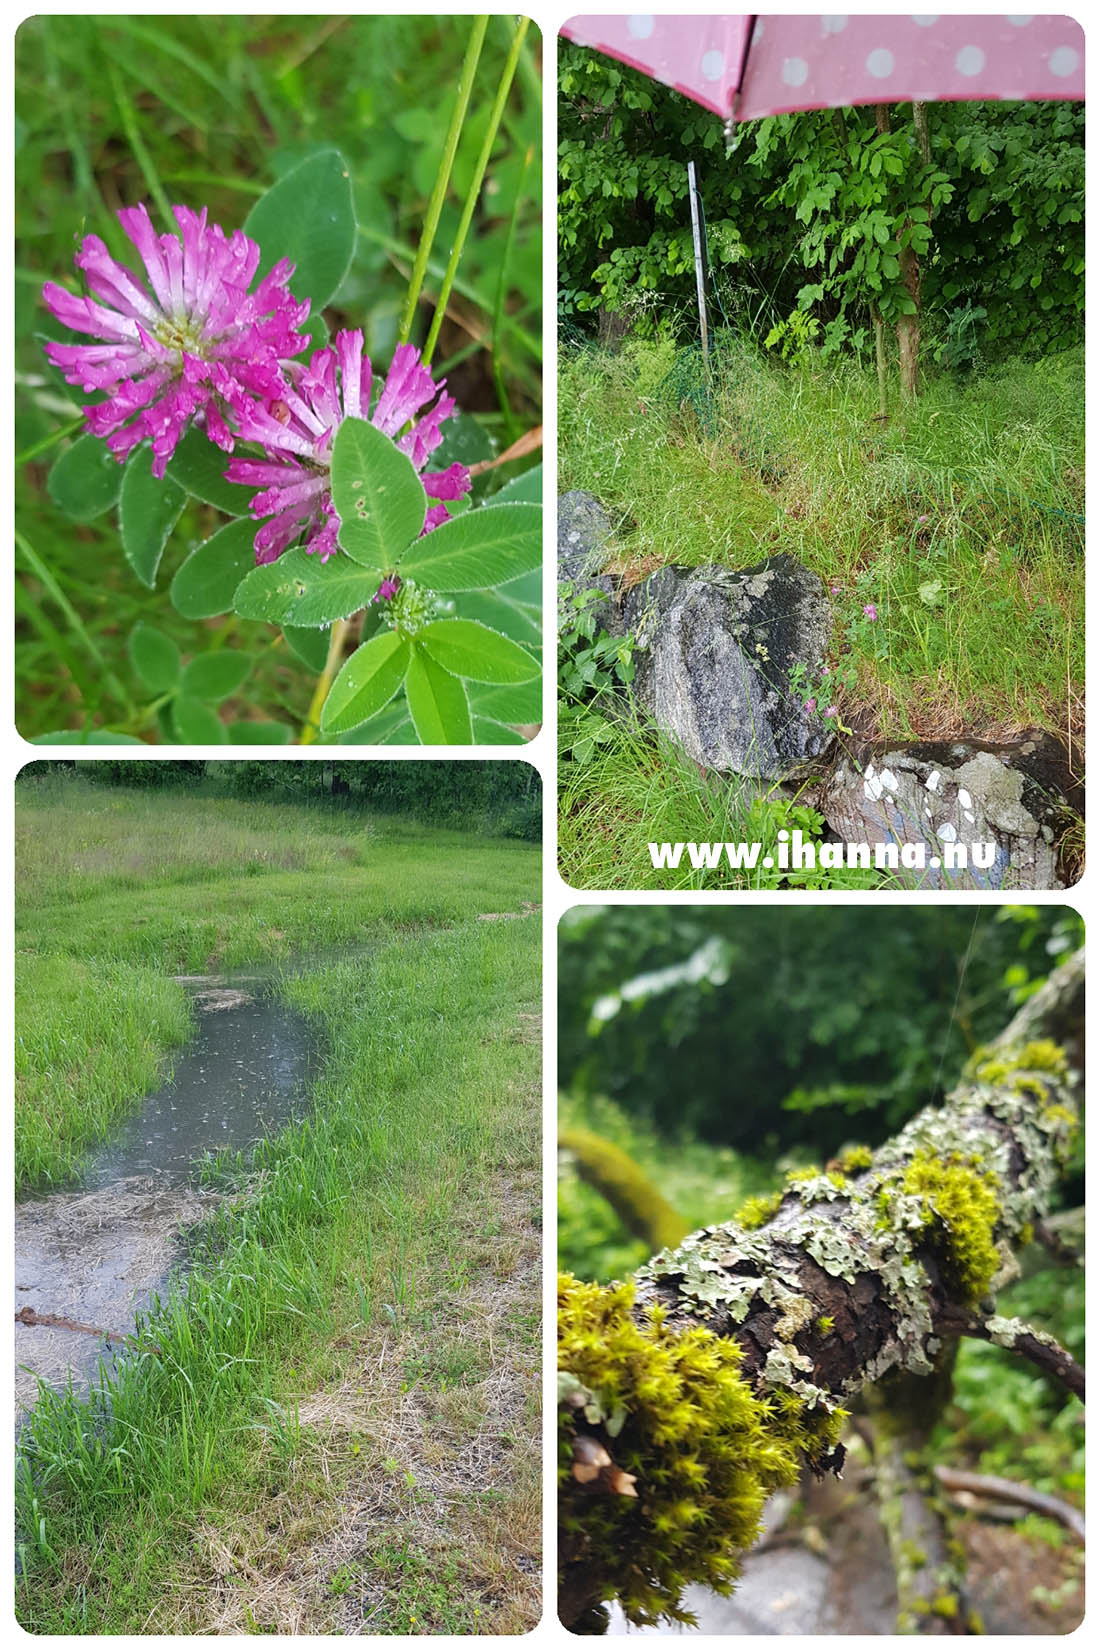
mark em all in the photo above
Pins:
pixel 332 1424
pixel 958 522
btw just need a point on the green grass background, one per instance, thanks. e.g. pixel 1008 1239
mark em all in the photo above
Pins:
pixel 354 1216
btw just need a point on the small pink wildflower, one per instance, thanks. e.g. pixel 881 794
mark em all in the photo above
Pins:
pixel 387 590
pixel 870 611
pixel 835 589
pixel 830 712
pixel 811 704
pixel 195 346
pixel 921 520
pixel 296 426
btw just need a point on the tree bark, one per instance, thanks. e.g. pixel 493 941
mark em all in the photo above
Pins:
pixel 862 1275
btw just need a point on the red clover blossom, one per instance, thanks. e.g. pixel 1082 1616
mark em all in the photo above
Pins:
pixel 296 427
pixel 197 344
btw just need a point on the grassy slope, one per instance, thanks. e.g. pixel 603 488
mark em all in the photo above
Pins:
pixel 384 1266
pixel 979 595
pixel 131 887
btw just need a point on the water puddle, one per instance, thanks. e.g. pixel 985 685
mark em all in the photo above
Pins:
pixel 87 1260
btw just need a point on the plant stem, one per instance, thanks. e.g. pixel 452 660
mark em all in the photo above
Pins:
pixel 502 293
pixel 475 186
pixel 48 441
pixel 443 176
pixel 312 723
pixel 42 573
pixel 137 143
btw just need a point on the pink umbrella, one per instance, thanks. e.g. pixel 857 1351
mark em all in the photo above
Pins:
pixel 742 67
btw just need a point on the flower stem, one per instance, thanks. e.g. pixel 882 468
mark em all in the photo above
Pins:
pixel 502 293
pixel 443 176
pixel 141 154
pixel 475 186
pixel 312 725
pixel 48 441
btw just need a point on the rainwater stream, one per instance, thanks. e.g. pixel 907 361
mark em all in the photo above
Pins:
pixel 96 1255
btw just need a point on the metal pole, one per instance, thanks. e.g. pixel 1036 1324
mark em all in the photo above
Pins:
pixel 697 239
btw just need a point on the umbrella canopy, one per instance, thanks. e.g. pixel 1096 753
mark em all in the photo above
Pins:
pixel 743 67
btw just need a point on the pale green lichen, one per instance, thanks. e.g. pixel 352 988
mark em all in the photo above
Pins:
pixel 959 1184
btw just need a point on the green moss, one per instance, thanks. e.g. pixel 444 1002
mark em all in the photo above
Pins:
pixel 757 1211
pixel 1043 1055
pixel 945 1604
pixel 795 1177
pixel 615 1175
pixel 825 1325
pixel 702 1448
pixel 856 1158
pixel 961 1215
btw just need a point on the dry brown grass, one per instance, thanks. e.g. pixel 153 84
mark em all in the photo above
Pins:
pixel 404 1496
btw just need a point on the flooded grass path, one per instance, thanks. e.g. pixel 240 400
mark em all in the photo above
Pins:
pixel 98 1254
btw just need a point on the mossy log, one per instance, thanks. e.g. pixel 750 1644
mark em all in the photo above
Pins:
pixel 691 1392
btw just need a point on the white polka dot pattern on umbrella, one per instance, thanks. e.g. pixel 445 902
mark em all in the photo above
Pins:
pixel 804 62
pixel 1063 60
pixel 970 60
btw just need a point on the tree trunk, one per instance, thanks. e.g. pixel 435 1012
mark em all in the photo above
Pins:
pixel 931 1581
pixel 880 363
pixel 687 1397
pixel 908 327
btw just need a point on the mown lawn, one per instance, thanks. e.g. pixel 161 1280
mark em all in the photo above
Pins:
pixel 358 1329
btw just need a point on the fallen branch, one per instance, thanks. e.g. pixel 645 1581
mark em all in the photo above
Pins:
pixel 47 1320
pixel 1035 1345
pixel 1006 1489
pixel 725 1363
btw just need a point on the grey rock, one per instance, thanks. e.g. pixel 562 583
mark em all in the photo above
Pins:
pixel 937 797
pixel 584 537
pixel 584 533
pixel 715 650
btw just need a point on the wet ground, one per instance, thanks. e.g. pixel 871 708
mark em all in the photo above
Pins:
pixel 97 1255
